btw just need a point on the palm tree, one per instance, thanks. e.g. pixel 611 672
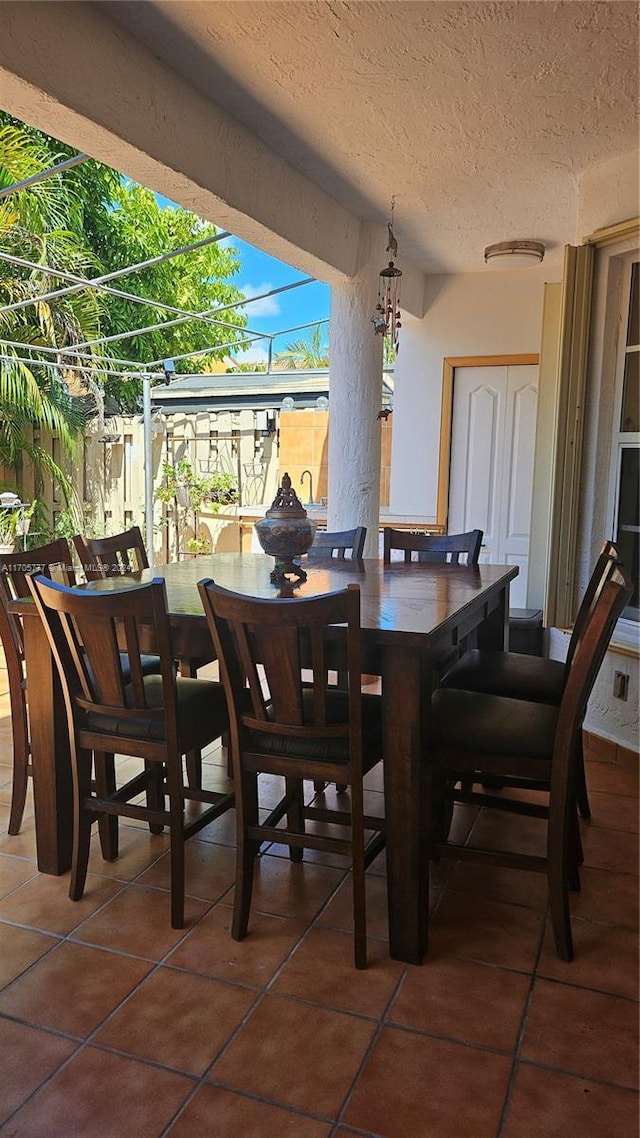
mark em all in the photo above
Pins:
pixel 310 353
pixel 37 224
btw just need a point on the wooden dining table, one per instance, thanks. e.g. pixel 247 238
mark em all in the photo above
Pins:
pixel 411 615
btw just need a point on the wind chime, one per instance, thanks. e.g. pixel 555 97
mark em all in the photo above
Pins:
pixel 386 321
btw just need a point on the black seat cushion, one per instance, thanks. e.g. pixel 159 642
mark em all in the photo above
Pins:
pixel 329 750
pixel 492 724
pixel 510 674
pixel 150 666
pixel 202 714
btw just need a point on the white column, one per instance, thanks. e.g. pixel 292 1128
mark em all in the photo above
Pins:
pixel 355 397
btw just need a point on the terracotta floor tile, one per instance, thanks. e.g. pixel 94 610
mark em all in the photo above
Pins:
pixel 485 930
pixel 606 958
pixel 138 921
pixel 474 1003
pixel 222 831
pixel 583 1032
pixel 339 912
pixel 14 871
pixel 120 1098
pixel 414 1087
pixel 598 749
pixel 462 823
pixel 210 870
pixel 296 1055
pixel 72 989
pixel 177 1020
pixel 22 844
pixel 285 889
pixel 498 883
pixel 620 777
pixel 607 896
pixel 240 1117
pixel 614 812
pixel 29 1056
pixel 558 1106
pixel 138 849
pixel 513 832
pixel 19 948
pixel 322 970
pixel 43 902
pixel 209 949
pixel 610 849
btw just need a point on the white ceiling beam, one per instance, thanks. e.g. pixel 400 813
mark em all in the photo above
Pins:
pixel 135 114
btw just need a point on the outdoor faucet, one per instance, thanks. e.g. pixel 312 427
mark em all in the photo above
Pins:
pixel 310 502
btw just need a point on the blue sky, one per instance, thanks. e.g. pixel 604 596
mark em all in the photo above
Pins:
pixel 259 273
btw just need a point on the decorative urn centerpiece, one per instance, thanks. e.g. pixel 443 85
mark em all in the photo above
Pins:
pixel 285 532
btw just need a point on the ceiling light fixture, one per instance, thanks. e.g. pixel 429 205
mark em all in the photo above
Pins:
pixel 514 254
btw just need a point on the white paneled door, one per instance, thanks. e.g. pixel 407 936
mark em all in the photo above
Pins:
pixel 491 476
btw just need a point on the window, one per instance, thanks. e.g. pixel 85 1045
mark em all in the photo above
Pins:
pixel 625 455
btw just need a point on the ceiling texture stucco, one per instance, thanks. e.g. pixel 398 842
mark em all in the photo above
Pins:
pixel 479 117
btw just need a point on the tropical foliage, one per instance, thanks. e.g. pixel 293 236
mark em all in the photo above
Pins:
pixel 312 352
pixel 87 222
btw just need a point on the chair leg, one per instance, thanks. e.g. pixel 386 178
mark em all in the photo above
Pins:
pixel 105 776
pixel 582 796
pixel 295 816
pixel 82 819
pixel 194 769
pixel 561 867
pixel 176 826
pixel 193 758
pixel 246 852
pixel 358 874
pixel 20 771
pixel 155 792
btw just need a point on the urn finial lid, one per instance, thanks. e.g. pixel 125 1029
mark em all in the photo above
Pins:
pixel 286 503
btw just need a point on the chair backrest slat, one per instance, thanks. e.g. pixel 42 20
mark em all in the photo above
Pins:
pixel 585 665
pixel 286 643
pixel 436 548
pixel 88 631
pixel 608 558
pixel 337 544
pixel 53 559
pixel 120 555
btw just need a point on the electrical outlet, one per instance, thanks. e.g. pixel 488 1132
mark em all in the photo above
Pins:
pixel 621 685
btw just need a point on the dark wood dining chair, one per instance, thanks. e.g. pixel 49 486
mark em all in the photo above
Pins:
pixel 338 544
pixel 123 554
pixel 536 678
pixel 432 547
pixel 282 725
pixel 476 737
pixel 14 569
pixel 157 718
pixel 119 555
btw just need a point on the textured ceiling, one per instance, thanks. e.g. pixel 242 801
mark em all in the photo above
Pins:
pixel 479 117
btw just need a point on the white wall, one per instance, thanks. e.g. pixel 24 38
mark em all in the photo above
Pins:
pixel 485 313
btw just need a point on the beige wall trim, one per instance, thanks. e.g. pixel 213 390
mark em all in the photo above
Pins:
pixel 611 234
pixel 450 364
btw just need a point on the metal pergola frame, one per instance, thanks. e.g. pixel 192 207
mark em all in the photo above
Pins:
pixel 86 360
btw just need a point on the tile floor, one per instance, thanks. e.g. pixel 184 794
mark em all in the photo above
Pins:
pixel 113 1024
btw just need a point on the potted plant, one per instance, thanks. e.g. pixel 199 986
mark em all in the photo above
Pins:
pixel 187 491
pixel 15 518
